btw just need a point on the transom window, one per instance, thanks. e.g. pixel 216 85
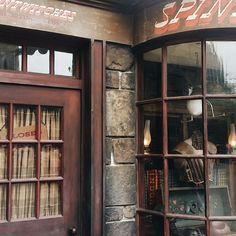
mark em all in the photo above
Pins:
pixel 36 59
pixel 186 140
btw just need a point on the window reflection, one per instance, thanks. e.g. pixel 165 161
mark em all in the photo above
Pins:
pixel 10 57
pixel 184 69
pixel 222 228
pixel 221 71
pixel 64 63
pixel 38 60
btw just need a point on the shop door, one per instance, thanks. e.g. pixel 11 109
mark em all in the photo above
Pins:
pixel 39 161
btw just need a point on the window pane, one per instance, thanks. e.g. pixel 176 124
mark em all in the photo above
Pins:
pixel 152 73
pixel 51 123
pixel 185 127
pixel 50 199
pixel 64 63
pixel 50 160
pixel 223 228
pixel 152 128
pixel 3 121
pixel 151 225
pixel 38 60
pixel 154 185
pixel 24 127
pixel 184 69
pixel 3 202
pixel 3 161
pixel 23 201
pixel 185 227
pixel 221 125
pixel 222 187
pixel 24 159
pixel 221 71
pixel 10 57
pixel 186 186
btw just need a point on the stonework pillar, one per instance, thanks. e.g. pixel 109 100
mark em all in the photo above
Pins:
pixel 120 185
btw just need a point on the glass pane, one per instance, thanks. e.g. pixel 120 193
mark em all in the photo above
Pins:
pixel 3 121
pixel 185 227
pixel 223 228
pixel 3 202
pixel 222 187
pixel 50 199
pixel 221 71
pixel 24 159
pixel 152 74
pixel 185 127
pixel 3 161
pixel 10 57
pixel 64 63
pixel 51 123
pixel 221 125
pixel 151 225
pixel 184 69
pixel 50 161
pixel 186 186
pixel 24 126
pixel 152 128
pixel 23 201
pixel 38 60
pixel 154 185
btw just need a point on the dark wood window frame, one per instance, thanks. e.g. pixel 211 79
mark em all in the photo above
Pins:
pixel 163 43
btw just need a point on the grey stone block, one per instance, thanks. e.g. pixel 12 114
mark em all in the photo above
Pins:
pixel 120 185
pixel 124 150
pixel 113 214
pixel 129 212
pixel 108 150
pixel 119 57
pixel 128 80
pixel 121 229
pixel 120 109
pixel 112 79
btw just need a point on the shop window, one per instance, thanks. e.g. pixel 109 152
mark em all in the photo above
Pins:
pixel 187 140
pixel 64 63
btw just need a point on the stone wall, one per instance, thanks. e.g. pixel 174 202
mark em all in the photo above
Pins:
pixel 120 186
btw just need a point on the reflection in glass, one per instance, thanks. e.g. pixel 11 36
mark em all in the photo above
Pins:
pixel 185 227
pixel 64 63
pixel 24 158
pixel 3 202
pixel 185 128
pixel 153 118
pixel 184 69
pixel 154 185
pixel 38 60
pixel 51 123
pixel 222 187
pixel 151 225
pixel 23 201
pixel 3 121
pixel 221 71
pixel 152 74
pixel 186 186
pixel 50 199
pixel 10 57
pixel 3 161
pixel 223 228
pixel 221 125
pixel 24 126
pixel 50 160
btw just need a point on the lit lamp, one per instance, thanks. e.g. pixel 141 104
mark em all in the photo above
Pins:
pixel 195 107
pixel 147 137
pixel 232 139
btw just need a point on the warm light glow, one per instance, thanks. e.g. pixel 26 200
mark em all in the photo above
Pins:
pixel 194 107
pixel 232 136
pixel 147 135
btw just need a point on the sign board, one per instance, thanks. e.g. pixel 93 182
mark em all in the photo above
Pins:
pixel 168 17
pixel 67 18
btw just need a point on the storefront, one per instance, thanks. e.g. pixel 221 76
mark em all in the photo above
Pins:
pixel 96 93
